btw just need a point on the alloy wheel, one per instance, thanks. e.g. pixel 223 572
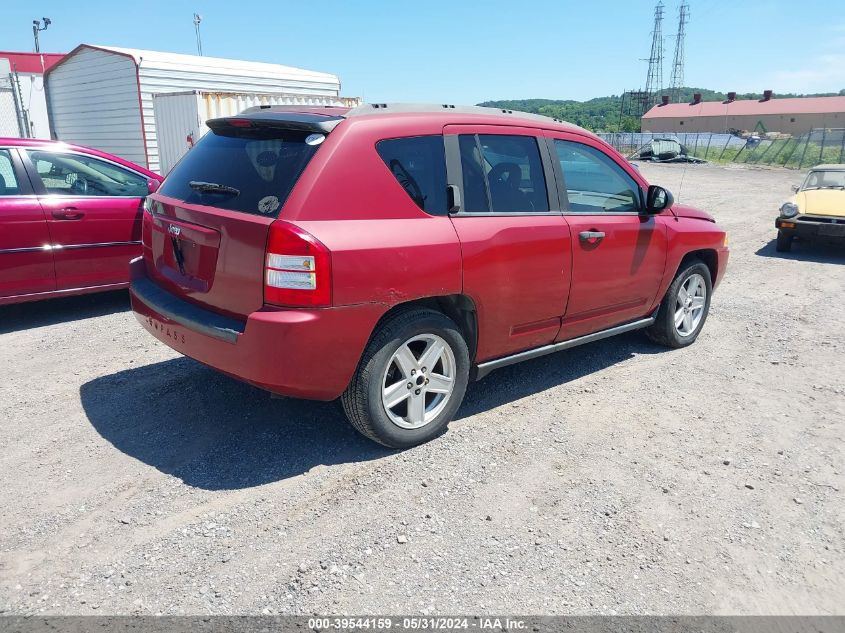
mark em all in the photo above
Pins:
pixel 418 381
pixel 689 304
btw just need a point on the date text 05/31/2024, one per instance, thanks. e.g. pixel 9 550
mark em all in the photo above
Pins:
pixel 417 623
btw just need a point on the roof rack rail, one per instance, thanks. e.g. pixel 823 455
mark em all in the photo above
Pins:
pixel 422 108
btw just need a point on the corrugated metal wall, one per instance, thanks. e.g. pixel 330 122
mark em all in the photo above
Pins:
pixel 183 114
pixel 158 77
pixel 93 100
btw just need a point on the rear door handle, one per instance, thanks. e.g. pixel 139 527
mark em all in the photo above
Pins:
pixel 588 236
pixel 68 213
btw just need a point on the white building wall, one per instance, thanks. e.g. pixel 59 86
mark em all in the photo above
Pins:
pixel 35 102
pixel 179 115
pixel 203 73
pixel 93 94
pixel 93 101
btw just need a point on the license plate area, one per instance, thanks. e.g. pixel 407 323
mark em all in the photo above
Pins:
pixel 185 253
pixel 832 230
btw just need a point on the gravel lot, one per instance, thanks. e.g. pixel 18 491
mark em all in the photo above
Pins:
pixel 613 478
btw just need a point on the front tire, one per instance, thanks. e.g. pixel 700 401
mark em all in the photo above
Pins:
pixel 784 243
pixel 410 381
pixel 684 308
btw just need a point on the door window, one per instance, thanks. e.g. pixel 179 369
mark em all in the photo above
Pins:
pixel 8 182
pixel 594 182
pixel 78 175
pixel 502 174
pixel 419 165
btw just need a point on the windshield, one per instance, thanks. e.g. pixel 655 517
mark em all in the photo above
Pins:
pixel 251 170
pixel 825 179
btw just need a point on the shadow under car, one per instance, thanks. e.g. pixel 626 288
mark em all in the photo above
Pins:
pixel 216 433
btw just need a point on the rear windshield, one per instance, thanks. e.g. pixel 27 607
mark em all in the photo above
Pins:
pixel 248 169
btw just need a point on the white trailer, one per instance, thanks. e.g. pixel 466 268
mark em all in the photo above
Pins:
pixel 102 96
pixel 181 116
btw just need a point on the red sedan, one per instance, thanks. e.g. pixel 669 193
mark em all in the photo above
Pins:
pixel 70 219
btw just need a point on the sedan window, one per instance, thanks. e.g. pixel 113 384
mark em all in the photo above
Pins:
pixel 78 175
pixel 8 182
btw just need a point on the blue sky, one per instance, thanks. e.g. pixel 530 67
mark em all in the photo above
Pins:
pixel 463 51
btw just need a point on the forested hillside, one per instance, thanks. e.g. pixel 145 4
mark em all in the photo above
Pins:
pixel 602 113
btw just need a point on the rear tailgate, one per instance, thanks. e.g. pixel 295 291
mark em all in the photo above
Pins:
pixel 206 235
pixel 206 255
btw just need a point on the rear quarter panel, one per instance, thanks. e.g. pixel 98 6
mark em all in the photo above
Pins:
pixel 384 249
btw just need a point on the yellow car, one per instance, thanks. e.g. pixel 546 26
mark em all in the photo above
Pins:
pixel 817 210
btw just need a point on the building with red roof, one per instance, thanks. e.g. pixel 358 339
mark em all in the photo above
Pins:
pixel 796 115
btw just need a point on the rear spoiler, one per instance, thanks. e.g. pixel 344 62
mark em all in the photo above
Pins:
pixel 300 121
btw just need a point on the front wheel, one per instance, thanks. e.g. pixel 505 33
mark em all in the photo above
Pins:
pixel 784 243
pixel 411 379
pixel 684 308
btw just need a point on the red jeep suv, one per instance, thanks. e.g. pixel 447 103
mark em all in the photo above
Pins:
pixel 388 254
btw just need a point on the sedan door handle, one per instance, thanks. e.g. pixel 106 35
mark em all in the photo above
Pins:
pixel 68 213
pixel 589 236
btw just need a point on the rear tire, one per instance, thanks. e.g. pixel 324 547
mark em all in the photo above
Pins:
pixel 684 308
pixel 784 243
pixel 418 347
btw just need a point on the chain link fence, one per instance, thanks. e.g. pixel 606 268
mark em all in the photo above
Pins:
pixel 9 119
pixel 795 152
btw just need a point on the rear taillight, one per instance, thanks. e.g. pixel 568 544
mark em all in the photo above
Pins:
pixel 297 269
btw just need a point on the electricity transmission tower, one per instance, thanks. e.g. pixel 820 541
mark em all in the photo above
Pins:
pixel 677 80
pixel 654 79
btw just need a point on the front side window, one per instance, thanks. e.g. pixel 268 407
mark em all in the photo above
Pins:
pixel 594 182
pixel 78 175
pixel 8 181
pixel 503 174
pixel 419 165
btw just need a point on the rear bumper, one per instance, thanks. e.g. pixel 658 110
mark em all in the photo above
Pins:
pixel 305 353
pixel 828 229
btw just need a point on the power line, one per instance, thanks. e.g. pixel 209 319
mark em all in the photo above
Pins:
pixel 677 80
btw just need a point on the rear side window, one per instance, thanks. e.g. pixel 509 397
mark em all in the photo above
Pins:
pixel 8 182
pixel 419 164
pixel 503 174
pixel 251 170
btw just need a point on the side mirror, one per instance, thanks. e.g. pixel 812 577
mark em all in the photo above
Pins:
pixel 658 199
pixel 795 188
pixel 152 185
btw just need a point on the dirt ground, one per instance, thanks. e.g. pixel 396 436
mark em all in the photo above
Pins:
pixel 614 478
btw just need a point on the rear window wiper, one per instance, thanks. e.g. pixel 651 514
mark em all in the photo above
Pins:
pixel 213 187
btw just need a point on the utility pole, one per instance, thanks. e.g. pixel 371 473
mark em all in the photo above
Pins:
pixel 197 20
pixel 677 81
pixel 654 78
pixel 36 28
